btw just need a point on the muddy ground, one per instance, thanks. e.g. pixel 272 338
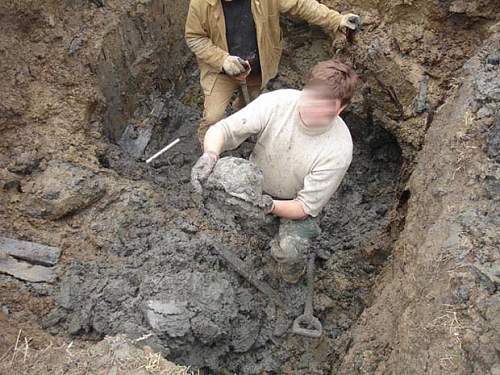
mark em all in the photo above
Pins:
pixel 408 277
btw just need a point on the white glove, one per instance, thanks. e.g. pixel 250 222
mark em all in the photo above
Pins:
pixel 232 66
pixel 351 21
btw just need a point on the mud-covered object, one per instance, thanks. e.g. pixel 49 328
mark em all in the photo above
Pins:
pixel 63 189
pixel 233 193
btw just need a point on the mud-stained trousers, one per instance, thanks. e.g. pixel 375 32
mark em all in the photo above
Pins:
pixel 291 244
pixel 217 101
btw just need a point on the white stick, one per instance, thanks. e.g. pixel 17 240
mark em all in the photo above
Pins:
pixel 163 150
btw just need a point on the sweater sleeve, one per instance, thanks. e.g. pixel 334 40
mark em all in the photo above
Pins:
pixel 251 120
pixel 199 41
pixel 313 12
pixel 322 182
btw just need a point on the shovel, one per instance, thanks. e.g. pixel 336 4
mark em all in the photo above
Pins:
pixel 307 324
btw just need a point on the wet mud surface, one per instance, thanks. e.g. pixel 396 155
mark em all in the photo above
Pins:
pixel 158 271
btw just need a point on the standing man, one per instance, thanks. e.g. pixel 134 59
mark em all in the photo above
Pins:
pixel 230 36
pixel 303 148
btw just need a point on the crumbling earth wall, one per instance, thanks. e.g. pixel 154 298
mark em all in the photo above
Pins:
pixel 446 266
pixel 409 55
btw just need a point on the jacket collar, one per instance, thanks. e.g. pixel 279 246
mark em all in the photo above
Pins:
pixel 212 2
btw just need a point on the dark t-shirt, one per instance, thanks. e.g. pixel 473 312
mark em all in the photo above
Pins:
pixel 241 34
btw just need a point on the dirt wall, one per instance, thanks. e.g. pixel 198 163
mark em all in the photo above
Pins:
pixel 145 51
pixel 444 273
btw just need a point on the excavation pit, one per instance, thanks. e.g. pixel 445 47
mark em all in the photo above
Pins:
pixel 158 273
pixel 407 274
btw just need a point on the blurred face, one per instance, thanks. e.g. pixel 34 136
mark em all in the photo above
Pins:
pixel 316 108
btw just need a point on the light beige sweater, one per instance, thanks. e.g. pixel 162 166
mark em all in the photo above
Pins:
pixel 298 162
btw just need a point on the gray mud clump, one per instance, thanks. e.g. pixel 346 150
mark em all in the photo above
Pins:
pixel 233 193
pixel 63 189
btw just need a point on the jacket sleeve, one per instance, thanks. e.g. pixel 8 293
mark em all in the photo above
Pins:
pixel 198 39
pixel 312 12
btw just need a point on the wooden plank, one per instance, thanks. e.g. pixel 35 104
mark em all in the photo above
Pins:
pixel 25 271
pixel 30 251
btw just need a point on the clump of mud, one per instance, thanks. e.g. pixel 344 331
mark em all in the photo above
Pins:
pixel 233 194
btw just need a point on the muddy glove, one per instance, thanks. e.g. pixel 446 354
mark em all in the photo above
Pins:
pixel 232 66
pixel 351 21
pixel 267 203
pixel 202 169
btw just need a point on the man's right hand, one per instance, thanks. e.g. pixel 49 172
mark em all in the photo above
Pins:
pixel 268 204
pixel 233 66
pixel 350 21
pixel 202 169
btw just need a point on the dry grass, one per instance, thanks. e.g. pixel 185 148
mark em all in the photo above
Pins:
pixel 112 356
pixel 450 325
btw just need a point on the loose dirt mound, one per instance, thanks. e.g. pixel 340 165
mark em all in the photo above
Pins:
pixel 113 355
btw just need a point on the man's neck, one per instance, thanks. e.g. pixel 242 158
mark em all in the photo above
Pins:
pixel 313 130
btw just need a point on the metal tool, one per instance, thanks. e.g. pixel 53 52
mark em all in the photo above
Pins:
pixel 239 267
pixel 243 83
pixel 307 324
pixel 244 91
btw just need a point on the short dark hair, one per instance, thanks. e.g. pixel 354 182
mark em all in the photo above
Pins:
pixel 338 78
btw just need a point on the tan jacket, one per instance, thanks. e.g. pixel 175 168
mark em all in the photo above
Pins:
pixel 206 33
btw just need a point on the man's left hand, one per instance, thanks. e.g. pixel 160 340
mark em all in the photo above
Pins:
pixel 350 21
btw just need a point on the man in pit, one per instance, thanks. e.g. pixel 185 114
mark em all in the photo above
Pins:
pixel 236 40
pixel 304 149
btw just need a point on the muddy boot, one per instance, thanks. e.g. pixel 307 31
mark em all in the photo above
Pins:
pixel 288 249
pixel 289 266
pixel 292 272
pixel 291 244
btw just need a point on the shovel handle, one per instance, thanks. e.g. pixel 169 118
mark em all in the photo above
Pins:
pixel 307 324
pixel 244 91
